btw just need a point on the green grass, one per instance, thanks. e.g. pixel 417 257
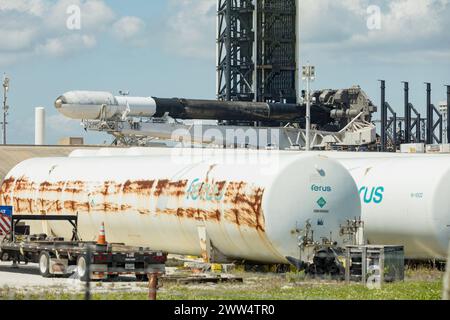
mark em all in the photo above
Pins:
pixel 398 291
pixel 420 284
pixel 414 290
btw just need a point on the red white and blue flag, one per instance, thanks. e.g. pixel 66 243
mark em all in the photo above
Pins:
pixel 5 220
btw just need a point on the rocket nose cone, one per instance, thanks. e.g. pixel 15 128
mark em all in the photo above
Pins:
pixel 59 102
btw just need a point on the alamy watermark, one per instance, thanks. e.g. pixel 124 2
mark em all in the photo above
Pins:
pixel 73 21
pixel 257 148
pixel 374 279
pixel 374 17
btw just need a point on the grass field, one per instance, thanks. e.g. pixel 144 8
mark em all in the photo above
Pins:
pixel 400 291
pixel 423 284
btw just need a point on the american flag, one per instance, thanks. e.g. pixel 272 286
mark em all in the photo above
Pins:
pixel 5 220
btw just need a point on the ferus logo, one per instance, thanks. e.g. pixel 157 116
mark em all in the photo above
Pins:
pixel 372 195
pixel 204 191
pixel 316 188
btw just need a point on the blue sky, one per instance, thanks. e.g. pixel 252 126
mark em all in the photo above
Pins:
pixel 167 48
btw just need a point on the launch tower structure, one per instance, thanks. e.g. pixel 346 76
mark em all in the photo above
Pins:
pixel 258 50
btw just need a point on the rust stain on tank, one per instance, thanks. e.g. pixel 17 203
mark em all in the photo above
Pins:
pixel 22 205
pixel 104 196
pixel 23 184
pixel 5 191
pixel 191 213
pixel 169 188
pixel 141 187
pixel 7 185
pixel 75 187
pixel 76 207
pixel 245 205
pixel 49 187
pixel 22 190
pixel 237 202
pixel 75 197
pixel 107 188
pixel 53 191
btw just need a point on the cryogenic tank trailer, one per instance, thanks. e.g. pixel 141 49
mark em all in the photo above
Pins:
pixel 404 201
pixel 275 208
pixel 403 196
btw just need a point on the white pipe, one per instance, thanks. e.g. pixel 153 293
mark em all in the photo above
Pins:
pixel 39 126
pixel 308 113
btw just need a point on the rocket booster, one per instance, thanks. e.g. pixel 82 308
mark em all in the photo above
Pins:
pixel 91 105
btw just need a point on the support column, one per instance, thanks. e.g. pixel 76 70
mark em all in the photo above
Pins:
pixel 430 121
pixel 383 115
pixel 407 114
pixel 448 114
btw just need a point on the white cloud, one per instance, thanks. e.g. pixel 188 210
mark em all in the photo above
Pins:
pixel 130 29
pixel 410 30
pixel 331 28
pixel 32 7
pixel 62 125
pixel 16 39
pixel 192 28
pixel 30 28
pixel 66 44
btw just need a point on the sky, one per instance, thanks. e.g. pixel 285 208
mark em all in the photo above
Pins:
pixel 166 48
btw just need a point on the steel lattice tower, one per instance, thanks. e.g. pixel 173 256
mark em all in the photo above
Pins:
pixel 257 52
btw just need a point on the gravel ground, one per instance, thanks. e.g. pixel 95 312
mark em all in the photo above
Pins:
pixel 25 276
pixel 26 280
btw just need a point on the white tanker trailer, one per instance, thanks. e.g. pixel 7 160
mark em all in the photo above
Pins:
pixel 261 207
pixel 404 196
pixel 405 201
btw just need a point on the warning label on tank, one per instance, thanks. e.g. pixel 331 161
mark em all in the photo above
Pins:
pixel 322 202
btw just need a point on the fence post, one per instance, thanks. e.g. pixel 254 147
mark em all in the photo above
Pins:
pixel 152 286
pixel 87 295
pixel 446 293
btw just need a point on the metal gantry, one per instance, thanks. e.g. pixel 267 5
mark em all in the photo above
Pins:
pixel 276 50
pixel 257 50
pixel 411 128
pixel 235 46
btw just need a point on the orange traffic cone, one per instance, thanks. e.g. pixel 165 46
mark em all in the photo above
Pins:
pixel 101 235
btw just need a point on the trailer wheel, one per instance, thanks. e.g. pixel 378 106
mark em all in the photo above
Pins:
pixel 44 264
pixel 141 278
pixel 5 257
pixel 113 277
pixel 82 268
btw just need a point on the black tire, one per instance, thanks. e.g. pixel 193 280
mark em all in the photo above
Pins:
pixel 44 264
pixel 113 277
pixel 142 278
pixel 5 257
pixel 81 268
